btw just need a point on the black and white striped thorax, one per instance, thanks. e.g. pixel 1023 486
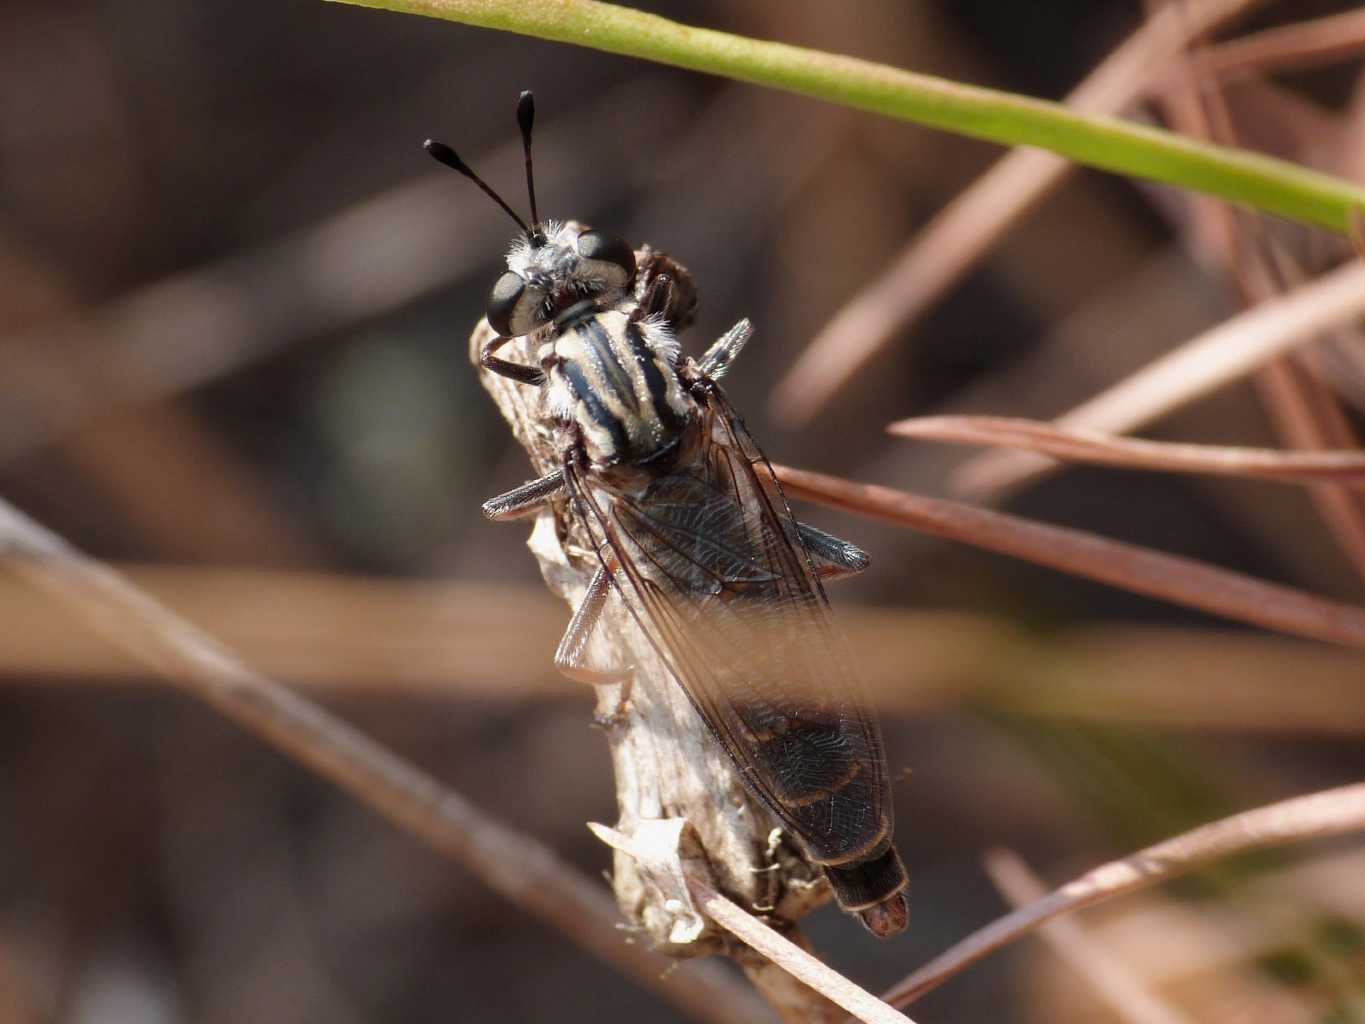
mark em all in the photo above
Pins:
pixel 608 357
pixel 614 375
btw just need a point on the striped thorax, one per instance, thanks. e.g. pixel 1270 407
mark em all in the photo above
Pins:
pixel 613 375
pixel 610 368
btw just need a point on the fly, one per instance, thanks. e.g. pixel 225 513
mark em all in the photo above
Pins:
pixel 692 529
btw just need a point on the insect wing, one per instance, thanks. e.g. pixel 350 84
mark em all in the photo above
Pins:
pixel 712 568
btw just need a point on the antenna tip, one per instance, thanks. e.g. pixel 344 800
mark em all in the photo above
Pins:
pixel 444 154
pixel 526 110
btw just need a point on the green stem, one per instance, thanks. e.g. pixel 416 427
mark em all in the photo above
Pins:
pixel 1275 186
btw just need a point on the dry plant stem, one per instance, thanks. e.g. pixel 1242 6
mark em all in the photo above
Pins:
pixel 1112 980
pixel 961 233
pixel 669 854
pixel 1043 438
pixel 1220 355
pixel 863 1005
pixel 1327 813
pixel 785 993
pixel 1298 45
pixel 1172 578
pixel 668 767
pixel 521 869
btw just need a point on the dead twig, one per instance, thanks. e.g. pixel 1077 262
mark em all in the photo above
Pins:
pixel 1327 813
pixel 669 854
pixel 524 871
pixel 1298 45
pixel 792 958
pixel 1222 354
pixel 1109 977
pixel 1172 578
pixel 1077 445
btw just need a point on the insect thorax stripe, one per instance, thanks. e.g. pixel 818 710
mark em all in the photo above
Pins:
pixel 615 380
pixel 647 359
pixel 577 372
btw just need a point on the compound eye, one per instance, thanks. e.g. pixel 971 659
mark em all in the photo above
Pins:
pixel 612 258
pixel 514 305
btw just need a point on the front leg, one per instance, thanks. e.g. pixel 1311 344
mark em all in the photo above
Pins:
pixel 519 372
pixel 678 302
pixel 572 657
pixel 522 501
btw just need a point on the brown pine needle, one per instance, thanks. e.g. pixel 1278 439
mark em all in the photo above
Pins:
pixel 1077 445
pixel 1298 45
pixel 863 1005
pixel 1222 354
pixel 957 238
pixel 1114 982
pixel 1141 570
pixel 1329 812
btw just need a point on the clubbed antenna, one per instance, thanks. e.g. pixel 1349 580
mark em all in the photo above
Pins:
pixel 526 117
pixel 444 154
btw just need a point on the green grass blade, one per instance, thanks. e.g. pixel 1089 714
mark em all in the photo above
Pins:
pixel 1275 186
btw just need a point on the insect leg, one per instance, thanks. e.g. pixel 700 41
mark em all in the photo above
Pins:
pixel 519 372
pixel 834 558
pixel 678 302
pixel 523 500
pixel 716 363
pixel 656 300
pixel 572 658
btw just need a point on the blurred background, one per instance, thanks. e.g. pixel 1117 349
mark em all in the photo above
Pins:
pixel 234 303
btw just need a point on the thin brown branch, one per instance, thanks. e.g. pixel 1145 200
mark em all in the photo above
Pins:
pixel 1302 44
pixel 518 867
pixel 960 234
pixel 1172 578
pixel 669 853
pixel 1111 979
pixel 1327 813
pixel 863 1005
pixel 1207 362
pixel 1076 445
